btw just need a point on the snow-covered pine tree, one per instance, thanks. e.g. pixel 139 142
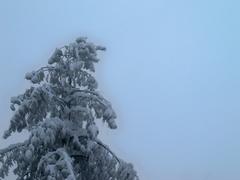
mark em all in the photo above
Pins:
pixel 59 111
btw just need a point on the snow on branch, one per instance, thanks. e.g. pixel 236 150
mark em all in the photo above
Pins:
pixel 57 164
pixel 12 147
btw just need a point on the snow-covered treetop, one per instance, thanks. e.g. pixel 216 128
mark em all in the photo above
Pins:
pixel 59 110
pixel 65 88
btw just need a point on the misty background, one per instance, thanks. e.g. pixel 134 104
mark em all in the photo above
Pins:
pixel 171 72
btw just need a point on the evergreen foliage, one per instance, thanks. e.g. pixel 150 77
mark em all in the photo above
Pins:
pixel 59 110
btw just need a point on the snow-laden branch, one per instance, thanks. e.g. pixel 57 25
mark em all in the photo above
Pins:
pixel 94 95
pixel 63 157
pixel 107 149
pixel 68 160
pixel 12 147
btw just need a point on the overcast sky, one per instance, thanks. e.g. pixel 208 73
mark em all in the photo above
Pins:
pixel 171 71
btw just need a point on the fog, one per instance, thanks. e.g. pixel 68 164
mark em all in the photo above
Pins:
pixel 171 72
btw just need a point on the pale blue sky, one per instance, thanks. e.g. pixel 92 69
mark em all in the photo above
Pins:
pixel 171 72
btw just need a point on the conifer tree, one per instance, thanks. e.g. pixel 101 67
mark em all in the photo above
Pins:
pixel 60 111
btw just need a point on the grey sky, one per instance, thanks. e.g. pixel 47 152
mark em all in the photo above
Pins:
pixel 171 72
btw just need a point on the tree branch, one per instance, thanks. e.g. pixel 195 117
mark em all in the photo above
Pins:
pixel 12 147
pixel 107 148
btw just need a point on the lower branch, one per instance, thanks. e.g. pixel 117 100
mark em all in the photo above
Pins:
pixel 107 148
pixel 13 147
